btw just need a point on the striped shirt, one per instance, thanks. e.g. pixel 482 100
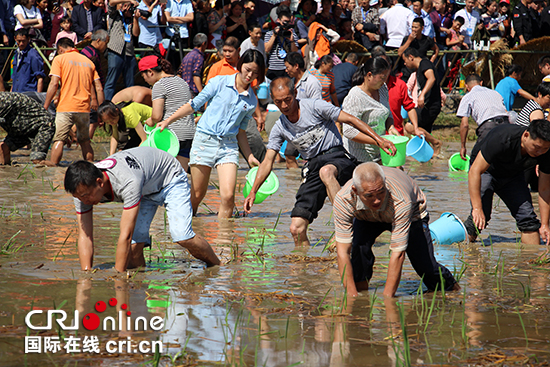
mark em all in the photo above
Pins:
pixel 175 92
pixel 119 27
pixel 327 83
pixel 372 112
pixel 276 58
pixel 524 116
pixel 404 204
pixel 481 104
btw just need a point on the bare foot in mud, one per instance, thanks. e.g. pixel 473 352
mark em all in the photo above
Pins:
pixel 437 149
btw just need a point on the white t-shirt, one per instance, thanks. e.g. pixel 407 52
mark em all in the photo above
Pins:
pixel 32 13
pixel 470 22
pixel 247 45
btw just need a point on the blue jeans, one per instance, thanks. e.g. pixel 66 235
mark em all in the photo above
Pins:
pixel 117 64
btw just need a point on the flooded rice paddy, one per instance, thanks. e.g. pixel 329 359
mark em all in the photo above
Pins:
pixel 272 304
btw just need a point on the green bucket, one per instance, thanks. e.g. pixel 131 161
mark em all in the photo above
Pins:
pixel 164 140
pixel 456 163
pixel 148 129
pixel 269 187
pixel 398 159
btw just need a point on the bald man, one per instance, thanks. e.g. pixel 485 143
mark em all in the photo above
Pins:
pixel 375 200
pixel 309 125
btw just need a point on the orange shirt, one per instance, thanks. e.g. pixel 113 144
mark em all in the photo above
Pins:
pixel 222 67
pixel 77 74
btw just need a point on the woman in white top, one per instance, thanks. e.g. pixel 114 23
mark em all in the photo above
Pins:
pixel 27 15
pixel 368 101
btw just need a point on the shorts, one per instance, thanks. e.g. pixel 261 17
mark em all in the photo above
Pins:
pixel 313 192
pixel 176 197
pixel 209 150
pixel 185 148
pixel 515 194
pixel 427 116
pixel 65 120
pixel 40 141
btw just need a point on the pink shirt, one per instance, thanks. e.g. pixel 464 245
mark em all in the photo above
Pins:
pixel 64 34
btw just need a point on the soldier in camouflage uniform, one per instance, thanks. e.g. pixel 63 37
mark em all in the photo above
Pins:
pixel 26 122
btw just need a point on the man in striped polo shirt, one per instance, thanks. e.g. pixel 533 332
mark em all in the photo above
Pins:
pixel 375 200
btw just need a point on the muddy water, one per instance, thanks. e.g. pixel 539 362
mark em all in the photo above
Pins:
pixel 274 304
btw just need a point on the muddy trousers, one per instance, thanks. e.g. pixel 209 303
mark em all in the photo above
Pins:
pixel 419 251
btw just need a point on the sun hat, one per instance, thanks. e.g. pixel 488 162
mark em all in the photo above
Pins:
pixel 148 62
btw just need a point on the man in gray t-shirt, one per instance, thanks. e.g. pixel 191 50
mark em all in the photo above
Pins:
pixel 309 125
pixel 142 179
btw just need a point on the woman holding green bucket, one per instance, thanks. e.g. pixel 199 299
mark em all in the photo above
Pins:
pixel 169 93
pixel 368 101
pixel 125 123
pixel 222 129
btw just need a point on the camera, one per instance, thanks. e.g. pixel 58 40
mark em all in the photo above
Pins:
pixel 131 9
pixel 285 30
pixel 144 13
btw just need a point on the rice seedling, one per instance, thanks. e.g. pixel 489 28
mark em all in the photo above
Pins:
pixel 323 300
pixel 523 327
pixel 431 310
pixel 406 344
pixel 464 326
pixel 372 302
pixel 8 248
pixel 62 245
pixel 278 218
pixel 460 273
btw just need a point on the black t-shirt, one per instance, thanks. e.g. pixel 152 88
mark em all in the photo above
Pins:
pixel 423 44
pixel 240 32
pixel 501 148
pixel 433 97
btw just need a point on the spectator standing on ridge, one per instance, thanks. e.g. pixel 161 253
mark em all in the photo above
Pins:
pixel 523 21
pixel 366 23
pixel 27 15
pixel 93 51
pixel 279 42
pixel 420 42
pixel 87 18
pixel 395 24
pixel 120 50
pixel 151 15
pixel 192 64
pixel 28 67
pixel 428 28
pixel 470 21
pixel 180 13
pixel 255 40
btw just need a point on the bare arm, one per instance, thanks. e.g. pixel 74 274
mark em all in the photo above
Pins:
pixel 269 44
pixel 28 22
pixel 179 20
pixel 85 239
pixel 406 45
pixel 52 90
pixel 474 187
pixel 127 224
pixel 436 52
pixel 99 91
pixel 263 171
pixel 525 94
pixel 141 132
pixel 386 145
pixel 245 147
pixel 183 111
pixel 113 144
pixel 345 268
pixel 536 115
pixel 40 84
pixel 544 205
pixel 158 111
pixel 395 267
pixel 198 83
pixel 464 126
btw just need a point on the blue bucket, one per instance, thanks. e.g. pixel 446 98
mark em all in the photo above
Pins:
pixel 263 91
pixel 404 113
pixel 419 149
pixel 448 229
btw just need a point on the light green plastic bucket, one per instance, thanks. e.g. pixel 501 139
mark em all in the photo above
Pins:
pixel 164 140
pixel 456 163
pixel 400 156
pixel 269 187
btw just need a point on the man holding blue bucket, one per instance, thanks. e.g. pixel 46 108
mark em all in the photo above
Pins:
pixel 375 200
pixel 309 125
